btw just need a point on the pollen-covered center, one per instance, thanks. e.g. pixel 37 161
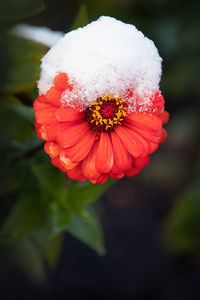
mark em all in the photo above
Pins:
pixel 105 113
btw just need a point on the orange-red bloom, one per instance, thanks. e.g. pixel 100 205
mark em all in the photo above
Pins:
pixel 104 140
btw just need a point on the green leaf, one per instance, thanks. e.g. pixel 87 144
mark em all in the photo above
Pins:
pixel 30 145
pixel 87 229
pixel 54 193
pixel 28 257
pixel 52 183
pixel 183 227
pixel 50 247
pixel 11 9
pixel 23 58
pixel 14 104
pixel 81 17
pixel 33 93
pixel 13 173
pixel 27 215
pixel 13 121
pixel 84 193
pixel 24 111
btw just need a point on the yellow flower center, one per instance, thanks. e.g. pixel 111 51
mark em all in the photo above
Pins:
pixel 105 113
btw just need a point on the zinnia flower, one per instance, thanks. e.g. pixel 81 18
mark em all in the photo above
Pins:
pixel 99 107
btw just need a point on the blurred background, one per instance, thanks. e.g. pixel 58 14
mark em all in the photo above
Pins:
pixel 141 239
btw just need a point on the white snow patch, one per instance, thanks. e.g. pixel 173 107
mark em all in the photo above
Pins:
pixel 42 35
pixel 105 57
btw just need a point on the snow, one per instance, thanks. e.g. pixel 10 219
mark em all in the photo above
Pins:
pixel 105 57
pixel 38 34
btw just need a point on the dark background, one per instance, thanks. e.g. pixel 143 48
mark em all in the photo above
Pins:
pixel 151 222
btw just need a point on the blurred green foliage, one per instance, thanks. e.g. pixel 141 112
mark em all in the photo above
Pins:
pixel 38 203
pixel 81 18
pixel 23 63
pixel 183 225
pixel 20 9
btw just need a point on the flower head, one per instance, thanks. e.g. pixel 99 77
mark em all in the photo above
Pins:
pixel 99 107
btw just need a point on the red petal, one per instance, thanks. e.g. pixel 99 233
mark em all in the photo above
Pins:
pixel 52 130
pixel 100 180
pixel 53 96
pixel 158 103
pixel 89 164
pixel 164 116
pixel 115 173
pixel 141 162
pixel 76 173
pixel 66 162
pixel 45 116
pixel 52 149
pixel 37 105
pixel 42 98
pixel 148 134
pixel 41 131
pixel 152 147
pixel 64 114
pixel 158 99
pixel 122 158
pixel 104 158
pixel 37 127
pixel 81 149
pixel 142 119
pixel 62 82
pixel 56 162
pixel 164 135
pixel 132 172
pixel 70 135
pixel 129 93
pixel 116 176
pixel 134 143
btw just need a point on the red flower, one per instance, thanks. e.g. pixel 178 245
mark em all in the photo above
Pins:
pixel 104 140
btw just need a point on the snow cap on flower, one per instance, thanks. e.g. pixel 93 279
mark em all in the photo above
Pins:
pixel 105 57
pixel 99 107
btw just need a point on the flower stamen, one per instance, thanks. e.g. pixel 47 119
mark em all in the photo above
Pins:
pixel 105 113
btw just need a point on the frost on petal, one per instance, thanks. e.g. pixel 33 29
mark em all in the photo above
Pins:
pixel 105 57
